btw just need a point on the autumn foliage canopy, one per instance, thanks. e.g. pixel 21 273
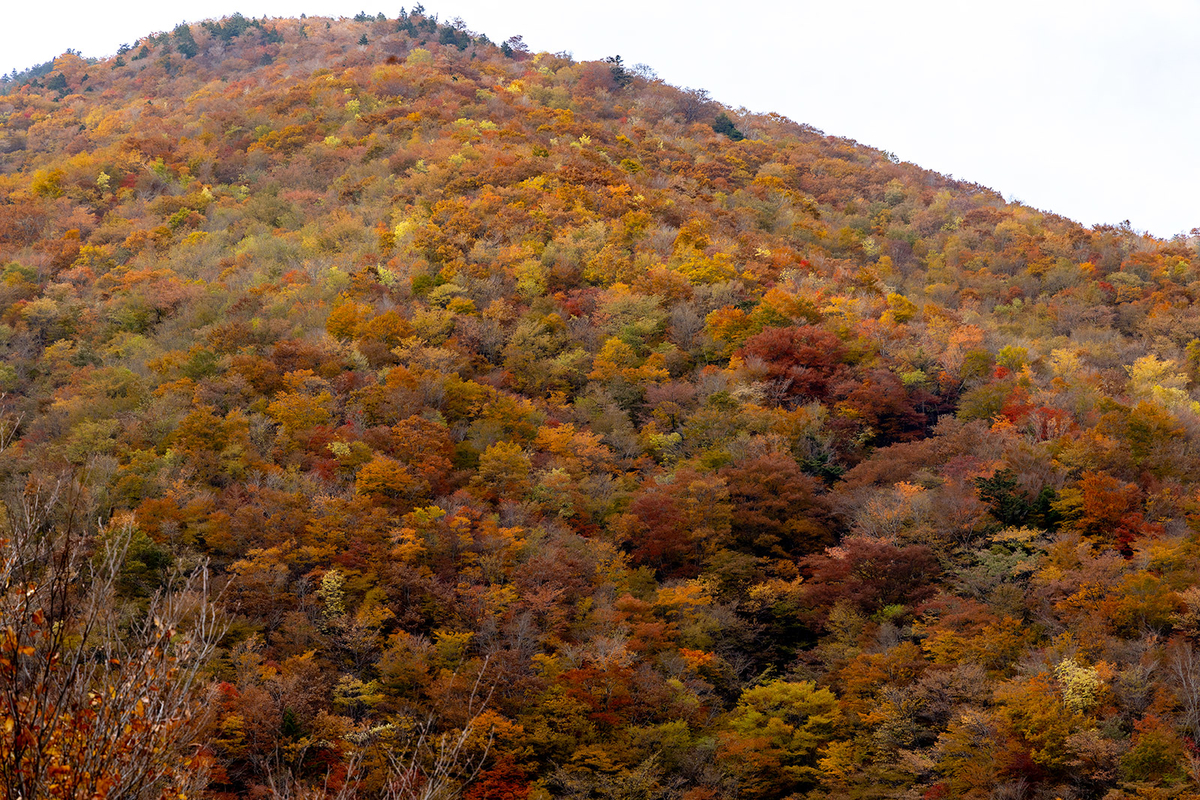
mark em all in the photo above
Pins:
pixel 389 413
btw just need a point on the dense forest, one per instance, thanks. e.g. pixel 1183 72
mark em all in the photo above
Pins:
pixel 390 413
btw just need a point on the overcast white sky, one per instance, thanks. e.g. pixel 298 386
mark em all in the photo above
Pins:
pixel 1087 109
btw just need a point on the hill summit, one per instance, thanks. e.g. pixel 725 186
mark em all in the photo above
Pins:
pixel 536 429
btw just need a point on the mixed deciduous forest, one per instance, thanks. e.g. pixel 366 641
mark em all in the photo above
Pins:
pixel 391 413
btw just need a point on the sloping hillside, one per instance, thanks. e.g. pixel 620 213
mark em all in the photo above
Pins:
pixel 639 447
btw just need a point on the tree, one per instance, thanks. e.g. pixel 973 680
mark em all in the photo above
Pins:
pixel 386 480
pixel 1007 503
pixel 427 448
pixel 504 468
pixel 724 124
pixel 1037 713
pixel 184 42
pixel 694 104
pixel 620 75
pixel 660 536
pixel 778 510
pixel 672 524
pixel 801 361
pixel 773 737
pixel 451 36
pixel 515 47
pixel 91 704
pixel 970 755
pixel 869 575
pixel 1105 510
pixel 1159 756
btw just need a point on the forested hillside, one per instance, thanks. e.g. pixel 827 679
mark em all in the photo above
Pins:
pixel 542 430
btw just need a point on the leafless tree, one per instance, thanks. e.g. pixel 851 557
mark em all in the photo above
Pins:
pixel 286 786
pixel 95 700
pixel 696 105
pixel 433 766
pixel 10 423
pixel 1184 665
pixel 422 764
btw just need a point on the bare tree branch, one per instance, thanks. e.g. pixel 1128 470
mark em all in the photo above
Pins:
pixel 92 702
